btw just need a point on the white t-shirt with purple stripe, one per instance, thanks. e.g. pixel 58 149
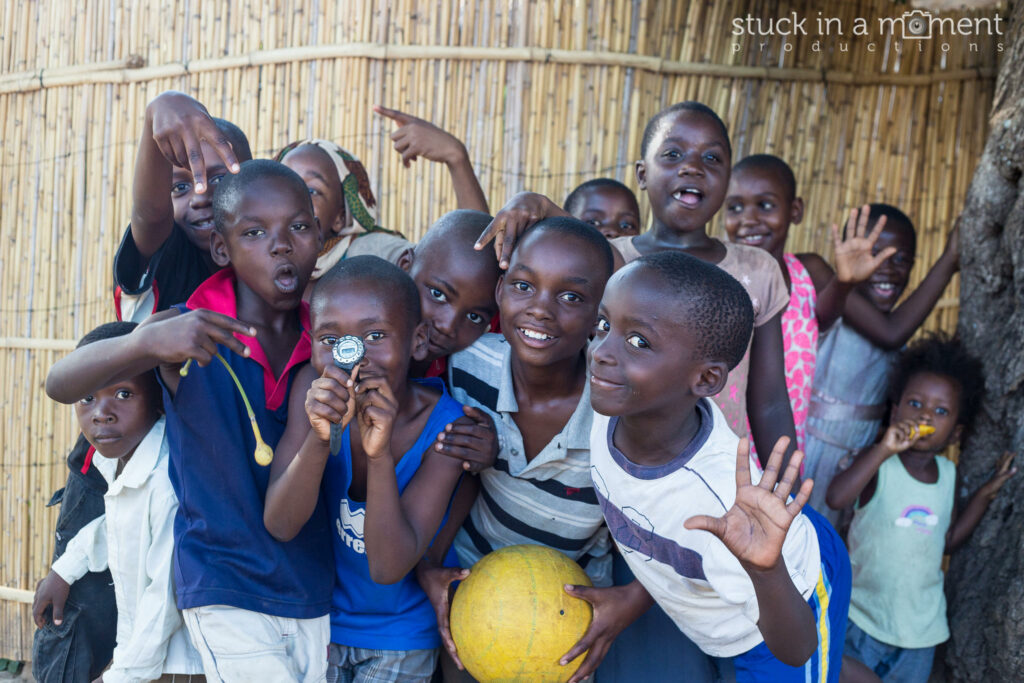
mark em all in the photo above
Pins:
pixel 690 573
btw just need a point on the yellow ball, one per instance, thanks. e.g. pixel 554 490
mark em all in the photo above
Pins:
pixel 512 619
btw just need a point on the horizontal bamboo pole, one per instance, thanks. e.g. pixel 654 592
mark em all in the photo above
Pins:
pixel 132 70
pixel 16 595
pixel 37 343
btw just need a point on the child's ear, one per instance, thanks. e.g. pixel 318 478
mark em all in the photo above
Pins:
pixel 641 174
pixel 219 249
pixel 345 217
pixel 796 210
pixel 711 379
pixel 339 221
pixel 497 290
pixel 405 259
pixel 419 342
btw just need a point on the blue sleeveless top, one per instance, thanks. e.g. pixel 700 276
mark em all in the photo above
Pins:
pixel 366 614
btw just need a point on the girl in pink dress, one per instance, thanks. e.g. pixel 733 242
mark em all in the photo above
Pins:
pixel 760 206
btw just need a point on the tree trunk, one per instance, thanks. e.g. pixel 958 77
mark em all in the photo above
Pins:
pixel 986 579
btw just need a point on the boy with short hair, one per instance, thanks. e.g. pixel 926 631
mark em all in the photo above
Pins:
pixel 456 286
pixel 135 537
pixel 165 252
pixel 608 205
pixel 532 380
pixel 255 608
pixel 380 618
pixel 768 587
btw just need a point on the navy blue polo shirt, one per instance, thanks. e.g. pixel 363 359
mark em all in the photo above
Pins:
pixel 223 554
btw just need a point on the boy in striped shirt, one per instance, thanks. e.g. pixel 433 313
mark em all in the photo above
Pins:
pixel 532 380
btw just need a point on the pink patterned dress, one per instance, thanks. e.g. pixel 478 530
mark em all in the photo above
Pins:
pixel 800 342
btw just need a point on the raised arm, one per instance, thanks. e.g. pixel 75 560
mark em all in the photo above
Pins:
pixel 172 134
pixel 848 485
pixel 754 530
pixel 315 403
pixel 166 339
pixel 398 527
pixel 418 138
pixel 963 525
pixel 768 407
pixel 855 263
pixel 893 329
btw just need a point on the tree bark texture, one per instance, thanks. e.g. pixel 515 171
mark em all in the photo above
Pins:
pixel 985 583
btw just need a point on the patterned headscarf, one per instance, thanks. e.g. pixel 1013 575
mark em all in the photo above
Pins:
pixel 355 185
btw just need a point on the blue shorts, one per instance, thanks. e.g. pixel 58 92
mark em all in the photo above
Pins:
pixel 830 603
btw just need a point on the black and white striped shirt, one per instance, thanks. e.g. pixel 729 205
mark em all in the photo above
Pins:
pixel 548 501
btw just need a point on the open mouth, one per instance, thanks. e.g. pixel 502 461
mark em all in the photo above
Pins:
pixel 754 239
pixel 203 224
pixel 688 196
pixel 884 290
pixel 286 279
pixel 534 337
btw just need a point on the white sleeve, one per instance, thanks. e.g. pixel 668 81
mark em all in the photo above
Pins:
pixel 728 578
pixel 141 657
pixel 86 552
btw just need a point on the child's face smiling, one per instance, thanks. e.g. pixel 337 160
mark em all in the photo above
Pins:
pixel 641 362
pixel 320 174
pixel 194 212
pixel 271 239
pixel 548 297
pixel 934 400
pixel 456 289
pixel 363 312
pixel 884 287
pixel 685 171
pixel 611 210
pixel 759 210
pixel 116 418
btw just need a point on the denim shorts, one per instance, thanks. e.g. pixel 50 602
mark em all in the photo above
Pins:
pixel 892 664
pixel 361 665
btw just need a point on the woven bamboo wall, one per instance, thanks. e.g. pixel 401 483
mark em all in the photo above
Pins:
pixel 544 94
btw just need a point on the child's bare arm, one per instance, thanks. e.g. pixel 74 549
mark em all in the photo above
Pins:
pixel 854 264
pixel 166 339
pixel 175 126
pixel 315 403
pixel 398 528
pixel 418 138
pixel 522 211
pixel 434 578
pixel 768 407
pixel 848 485
pixel 754 530
pixel 893 329
pixel 963 525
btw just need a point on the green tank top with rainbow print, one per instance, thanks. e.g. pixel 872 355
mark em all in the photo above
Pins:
pixel 896 544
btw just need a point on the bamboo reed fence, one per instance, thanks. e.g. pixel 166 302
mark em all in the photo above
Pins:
pixel 544 94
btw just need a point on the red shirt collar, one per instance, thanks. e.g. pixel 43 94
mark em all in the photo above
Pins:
pixel 217 293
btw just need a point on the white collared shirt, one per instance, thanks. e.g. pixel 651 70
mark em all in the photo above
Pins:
pixel 135 540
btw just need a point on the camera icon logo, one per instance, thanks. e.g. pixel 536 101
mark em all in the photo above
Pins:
pixel 917 24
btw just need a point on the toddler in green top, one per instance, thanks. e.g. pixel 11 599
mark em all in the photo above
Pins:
pixel 906 517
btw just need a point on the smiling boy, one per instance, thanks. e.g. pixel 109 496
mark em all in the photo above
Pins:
pixel 768 587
